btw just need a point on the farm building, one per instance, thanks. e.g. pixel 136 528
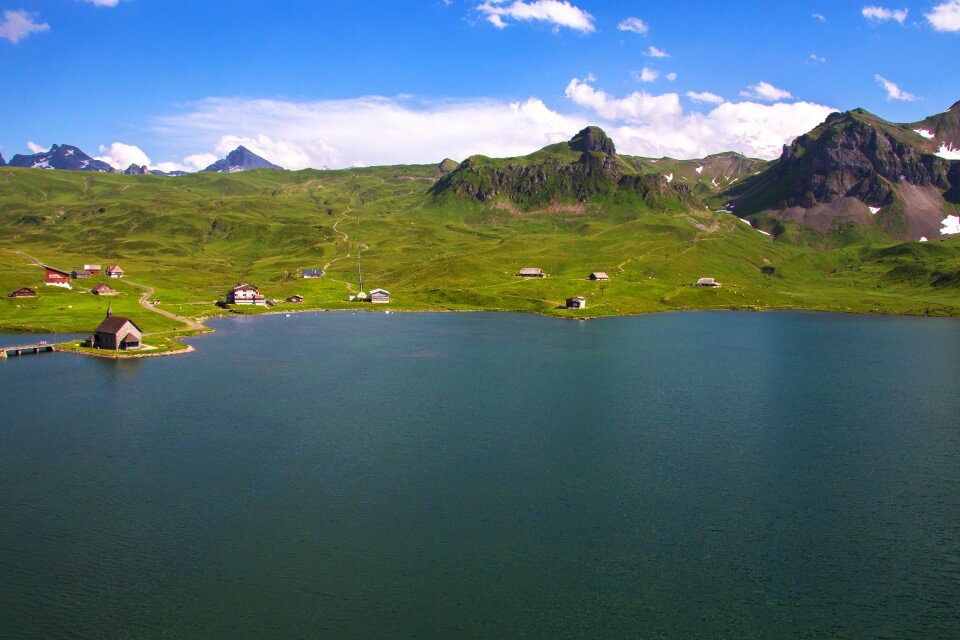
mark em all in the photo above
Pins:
pixel 313 273
pixel 707 282
pixel 115 271
pixel 117 334
pixel 81 274
pixel 295 299
pixel 531 272
pixel 599 275
pixel 103 289
pixel 23 292
pixel 56 278
pixel 93 268
pixel 245 294
pixel 577 303
pixel 380 296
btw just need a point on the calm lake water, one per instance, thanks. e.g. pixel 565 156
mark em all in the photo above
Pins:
pixel 714 475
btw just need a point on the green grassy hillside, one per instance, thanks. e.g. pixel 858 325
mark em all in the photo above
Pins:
pixel 193 237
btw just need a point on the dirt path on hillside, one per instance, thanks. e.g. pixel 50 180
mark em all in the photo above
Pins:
pixel 143 301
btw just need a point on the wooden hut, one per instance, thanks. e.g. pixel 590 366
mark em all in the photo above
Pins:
pixel 81 274
pixel 297 299
pixel 313 273
pixel 93 268
pixel 577 303
pixel 531 272
pixel 103 289
pixel 380 296
pixel 23 292
pixel 707 282
pixel 599 275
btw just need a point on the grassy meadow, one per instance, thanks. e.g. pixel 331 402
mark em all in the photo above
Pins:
pixel 193 237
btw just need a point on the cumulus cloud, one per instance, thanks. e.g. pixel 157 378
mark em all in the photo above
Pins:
pixel 17 25
pixel 765 92
pixel 120 156
pixel 653 52
pixel 378 130
pixel 815 58
pixel 671 76
pixel 634 25
pixel 945 16
pixel 893 91
pixel 882 14
pixel 646 75
pixel 649 125
pixel 36 148
pixel 559 13
pixel 705 96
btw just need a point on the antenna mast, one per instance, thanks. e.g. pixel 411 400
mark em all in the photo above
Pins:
pixel 359 245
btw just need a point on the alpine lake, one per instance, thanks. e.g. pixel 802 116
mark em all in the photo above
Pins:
pixel 448 475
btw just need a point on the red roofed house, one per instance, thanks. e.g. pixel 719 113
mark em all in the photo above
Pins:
pixel 116 333
pixel 57 278
pixel 245 294
pixel 115 271
pixel 92 268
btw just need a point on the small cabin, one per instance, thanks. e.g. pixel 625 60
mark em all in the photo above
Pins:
pixel 56 278
pixel 577 303
pixel 103 289
pixel 81 274
pixel 295 299
pixel 117 334
pixel 115 271
pixel 93 269
pixel 531 272
pixel 380 296
pixel 600 276
pixel 24 292
pixel 313 273
pixel 707 282
pixel 245 294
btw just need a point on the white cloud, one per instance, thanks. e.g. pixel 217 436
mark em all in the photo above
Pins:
pixel 36 148
pixel 636 107
pixel 671 76
pixel 646 75
pixel 945 16
pixel 366 131
pixel 104 3
pixel 559 13
pixel 635 25
pixel 765 92
pixel 819 16
pixel 815 58
pixel 705 96
pixel 882 14
pixel 378 130
pixel 893 91
pixel 17 25
pixel 120 156
pixel 653 52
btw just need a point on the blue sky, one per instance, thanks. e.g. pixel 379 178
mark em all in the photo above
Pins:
pixel 332 83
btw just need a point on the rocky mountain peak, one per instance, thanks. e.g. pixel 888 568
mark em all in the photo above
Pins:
pixel 61 156
pixel 593 139
pixel 241 159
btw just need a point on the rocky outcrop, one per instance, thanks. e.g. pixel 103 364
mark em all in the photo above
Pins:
pixel 136 170
pixel 2 161
pixel 585 167
pixel 850 157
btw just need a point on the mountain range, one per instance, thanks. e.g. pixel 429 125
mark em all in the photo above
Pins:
pixel 855 176
pixel 69 158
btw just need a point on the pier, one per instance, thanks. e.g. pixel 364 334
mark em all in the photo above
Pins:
pixel 39 347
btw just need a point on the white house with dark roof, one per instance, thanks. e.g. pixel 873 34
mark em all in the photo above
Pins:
pixel 245 294
pixel 380 296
